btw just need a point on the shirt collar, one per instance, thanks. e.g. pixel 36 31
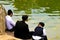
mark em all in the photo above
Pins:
pixel 8 16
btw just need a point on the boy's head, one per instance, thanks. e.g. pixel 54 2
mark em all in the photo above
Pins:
pixel 10 12
pixel 24 17
pixel 41 24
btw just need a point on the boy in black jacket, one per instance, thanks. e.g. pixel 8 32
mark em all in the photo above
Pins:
pixel 21 29
pixel 39 33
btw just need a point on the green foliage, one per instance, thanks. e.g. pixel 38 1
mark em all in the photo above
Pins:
pixel 29 4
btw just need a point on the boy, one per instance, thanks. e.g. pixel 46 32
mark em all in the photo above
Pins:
pixel 9 22
pixel 39 33
pixel 21 29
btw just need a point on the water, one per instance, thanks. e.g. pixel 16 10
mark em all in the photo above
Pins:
pixel 52 23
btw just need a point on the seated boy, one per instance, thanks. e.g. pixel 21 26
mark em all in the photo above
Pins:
pixel 39 33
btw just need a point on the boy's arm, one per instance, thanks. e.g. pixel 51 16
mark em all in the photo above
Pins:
pixel 12 22
pixel 44 32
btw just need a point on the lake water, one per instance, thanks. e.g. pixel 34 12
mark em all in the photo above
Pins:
pixel 52 23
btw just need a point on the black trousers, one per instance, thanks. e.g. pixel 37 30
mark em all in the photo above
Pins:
pixel 24 36
pixel 11 30
pixel 31 33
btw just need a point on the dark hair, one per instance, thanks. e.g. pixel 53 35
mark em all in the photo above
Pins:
pixel 42 24
pixel 24 17
pixel 10 12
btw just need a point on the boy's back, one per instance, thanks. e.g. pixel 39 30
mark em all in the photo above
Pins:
pixel 38 31
pixel 21 29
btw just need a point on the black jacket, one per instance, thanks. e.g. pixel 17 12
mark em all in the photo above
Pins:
pixel 21 30
pixel 39 32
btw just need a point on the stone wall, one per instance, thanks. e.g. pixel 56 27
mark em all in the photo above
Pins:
pixel 2 19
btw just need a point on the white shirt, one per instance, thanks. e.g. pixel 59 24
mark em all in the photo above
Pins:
pixel 44 31
pixel 36 37
pixel 9 22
